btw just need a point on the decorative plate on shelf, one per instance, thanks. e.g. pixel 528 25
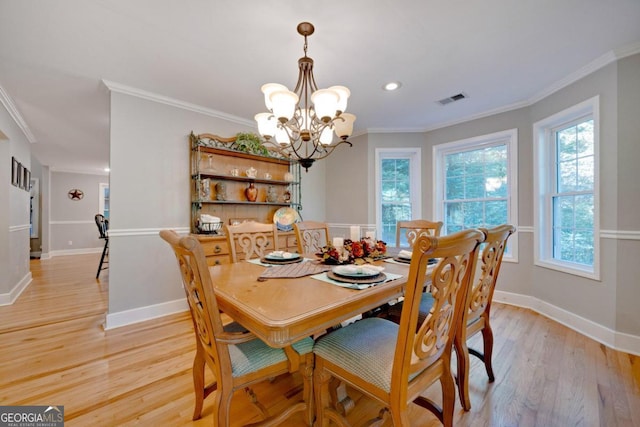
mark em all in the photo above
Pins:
pixel 284 218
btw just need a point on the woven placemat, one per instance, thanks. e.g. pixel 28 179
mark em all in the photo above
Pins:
pixel 361 280
pixel 293 270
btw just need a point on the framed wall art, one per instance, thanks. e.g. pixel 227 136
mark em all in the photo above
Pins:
pixel 15 180
pixel 20 175
pixel 26 179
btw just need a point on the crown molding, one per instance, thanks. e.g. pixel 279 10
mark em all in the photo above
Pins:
pixel 161 99
pixel 6 100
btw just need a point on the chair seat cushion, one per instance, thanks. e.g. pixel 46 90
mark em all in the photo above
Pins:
pixel 254 355
pixel 365 348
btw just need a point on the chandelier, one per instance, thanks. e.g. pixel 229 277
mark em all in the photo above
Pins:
pixel 303 122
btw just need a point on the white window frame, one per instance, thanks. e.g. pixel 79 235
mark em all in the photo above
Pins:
pixel 101 189
pixel 544 173
pixel 414 155
pixel 507 137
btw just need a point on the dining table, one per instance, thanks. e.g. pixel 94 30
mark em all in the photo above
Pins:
pixel 283 310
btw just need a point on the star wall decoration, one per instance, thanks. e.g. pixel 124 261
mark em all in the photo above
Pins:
pixel 75 194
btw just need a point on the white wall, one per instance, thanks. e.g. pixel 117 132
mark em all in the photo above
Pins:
pixel 149 192
pixel 74 220
pixel 14 211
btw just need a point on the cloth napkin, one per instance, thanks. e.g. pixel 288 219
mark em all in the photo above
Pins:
pixel 360 269
pixel 281 254
pixel 208 218
pixel 405 254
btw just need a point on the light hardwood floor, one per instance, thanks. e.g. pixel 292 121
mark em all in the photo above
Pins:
pixel 54 351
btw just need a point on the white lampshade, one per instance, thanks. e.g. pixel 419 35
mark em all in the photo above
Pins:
pixel 281 136
pixel 268 89
pixel 344 125
pixel 343 94
pixel 326 137
pixel 325 102
pixel 283 103
pixel 266 124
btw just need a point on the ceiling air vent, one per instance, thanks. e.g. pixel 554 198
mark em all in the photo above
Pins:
pixel 453 98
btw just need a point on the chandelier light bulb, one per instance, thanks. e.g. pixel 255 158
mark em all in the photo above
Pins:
pixel 266 124
pixel 268 89
pixel 326 137
pixel 281 137
pixel 344 125
pixel 284 104
pixel 325 102
pixel 343 94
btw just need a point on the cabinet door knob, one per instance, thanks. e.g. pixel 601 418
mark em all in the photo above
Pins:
pixel 217 262
pixel 217 249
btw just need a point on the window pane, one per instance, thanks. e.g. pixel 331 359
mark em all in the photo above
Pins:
pixel 474 187
pixel 573 214
pixel 566 140
pixel 478 178
pixel 567 176
pixel 585 138
pixel 473 214
pixel 585 174
pixel 395 187
pixel 495 213
pixel 455 188
pixel 584 211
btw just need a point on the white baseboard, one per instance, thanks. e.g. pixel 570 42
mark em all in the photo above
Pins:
pixel 616 340
pixel 128 317
pixel 10 297
pixel 65 252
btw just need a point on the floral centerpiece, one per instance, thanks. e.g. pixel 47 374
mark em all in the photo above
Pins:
pixel 354 252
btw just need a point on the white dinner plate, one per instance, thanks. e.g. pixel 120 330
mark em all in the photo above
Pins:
pixel 355 271
pixel 279 257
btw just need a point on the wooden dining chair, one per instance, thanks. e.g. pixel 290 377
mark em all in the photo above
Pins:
pixel 393 363
pixel 251 240
pixel 237 359
pixel 103 232
pixel 311 236
pixel 477 316
pixel 412 229
pixel 479 309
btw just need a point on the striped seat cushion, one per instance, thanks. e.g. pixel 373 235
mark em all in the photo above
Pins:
pixel 365 348
pixel 254 355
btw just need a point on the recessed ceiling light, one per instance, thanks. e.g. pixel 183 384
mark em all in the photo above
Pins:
pixel 392 86
pixel 107 169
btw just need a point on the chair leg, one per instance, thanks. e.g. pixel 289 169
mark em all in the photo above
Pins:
pixel 104 253
pixel 462 358
pixel 487 337
pixel 198 384
pixel 448 398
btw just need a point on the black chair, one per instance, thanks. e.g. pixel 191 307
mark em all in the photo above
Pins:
pixel 103 227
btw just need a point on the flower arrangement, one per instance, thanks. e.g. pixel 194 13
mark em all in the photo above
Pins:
pixel 354 252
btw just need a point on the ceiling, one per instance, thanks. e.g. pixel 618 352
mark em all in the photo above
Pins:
pixel 503 54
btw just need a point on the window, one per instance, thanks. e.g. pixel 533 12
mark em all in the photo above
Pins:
pixel 397 189
pixel 103 200
pixel 566 165
pixel 476 183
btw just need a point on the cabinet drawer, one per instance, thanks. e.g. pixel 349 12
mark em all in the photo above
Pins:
pixel 214 246
pixel 217 260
